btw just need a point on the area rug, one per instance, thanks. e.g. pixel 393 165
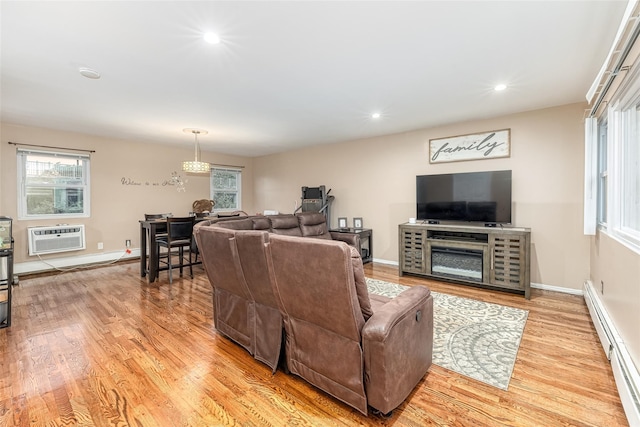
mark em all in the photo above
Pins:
pixel 474 338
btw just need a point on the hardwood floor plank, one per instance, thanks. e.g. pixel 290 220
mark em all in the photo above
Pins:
pixel 102 347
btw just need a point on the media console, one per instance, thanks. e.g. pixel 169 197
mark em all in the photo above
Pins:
pixel 495 257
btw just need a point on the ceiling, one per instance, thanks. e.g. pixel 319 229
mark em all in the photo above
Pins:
pixel 292 74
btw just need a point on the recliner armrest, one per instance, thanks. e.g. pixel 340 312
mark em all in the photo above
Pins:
pixel 397 343
pixel 351 239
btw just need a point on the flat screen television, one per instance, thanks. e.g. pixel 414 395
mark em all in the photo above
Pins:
pixel 473 196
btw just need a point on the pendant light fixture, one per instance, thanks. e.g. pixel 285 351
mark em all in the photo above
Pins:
pixel 196 166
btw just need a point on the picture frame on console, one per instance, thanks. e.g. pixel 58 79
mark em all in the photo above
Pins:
pixel 342 222
pixel 357 223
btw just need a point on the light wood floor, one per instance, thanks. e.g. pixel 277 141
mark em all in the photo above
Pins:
pixel 103 347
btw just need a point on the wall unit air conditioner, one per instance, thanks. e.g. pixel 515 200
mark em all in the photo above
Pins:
pixel 59 238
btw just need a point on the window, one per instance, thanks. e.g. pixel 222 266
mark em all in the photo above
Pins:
pixel 225 188
pixel 630 174
pixel 52 185
pixel 619 165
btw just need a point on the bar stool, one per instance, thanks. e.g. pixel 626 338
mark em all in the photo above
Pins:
pixel 179 235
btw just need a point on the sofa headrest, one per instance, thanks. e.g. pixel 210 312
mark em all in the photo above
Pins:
pixel 236 224
pixel 311 218
pixel 219 256
pixel 328 269
pixel 361 283
pixel 285 224
pixel 313 224
pixel 261 223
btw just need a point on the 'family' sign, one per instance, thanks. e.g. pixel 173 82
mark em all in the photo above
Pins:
pixel 487 145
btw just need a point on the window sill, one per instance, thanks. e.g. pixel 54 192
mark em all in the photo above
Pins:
pixel 630 244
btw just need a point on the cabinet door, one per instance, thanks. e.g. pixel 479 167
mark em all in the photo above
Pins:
pixel 412 258
pixel 508 262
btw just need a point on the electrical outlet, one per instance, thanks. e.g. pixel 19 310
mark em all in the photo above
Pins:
pixel 127 243
pixel 100 245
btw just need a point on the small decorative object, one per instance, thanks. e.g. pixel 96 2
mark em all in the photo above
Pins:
pixel 203 205
pixel 486 145
pixel 357 222
pixel 342 222
pixel 177 181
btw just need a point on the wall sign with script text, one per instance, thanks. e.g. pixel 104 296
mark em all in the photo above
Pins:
pixel 476 146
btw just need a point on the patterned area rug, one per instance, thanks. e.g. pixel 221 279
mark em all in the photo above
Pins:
pixel 474 338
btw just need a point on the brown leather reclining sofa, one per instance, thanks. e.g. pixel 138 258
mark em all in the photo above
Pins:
pixel 365 350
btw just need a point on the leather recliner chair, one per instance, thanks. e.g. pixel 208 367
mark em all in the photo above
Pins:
pixel 244 306
pixel 331 341
pixel 268 319
pixel 245 309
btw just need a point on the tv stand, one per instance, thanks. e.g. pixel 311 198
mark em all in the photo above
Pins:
pixel 477 255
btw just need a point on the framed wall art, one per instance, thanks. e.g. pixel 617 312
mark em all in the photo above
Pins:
pixel 476 146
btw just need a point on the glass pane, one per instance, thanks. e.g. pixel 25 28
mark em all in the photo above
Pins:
pixel 225 180
pixel 45 170
pixel 602 173
pixel 225 200
pixel 631 178
pixel 52 200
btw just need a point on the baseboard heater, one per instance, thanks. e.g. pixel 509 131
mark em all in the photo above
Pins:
pixel 59 238
pixel 624 370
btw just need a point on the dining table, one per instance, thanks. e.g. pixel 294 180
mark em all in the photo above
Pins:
pixel 149 255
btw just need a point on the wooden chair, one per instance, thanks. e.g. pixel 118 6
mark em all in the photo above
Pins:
pixel 161 229
pixel 180 236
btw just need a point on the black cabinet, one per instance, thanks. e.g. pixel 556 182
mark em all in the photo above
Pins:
pixel 6 271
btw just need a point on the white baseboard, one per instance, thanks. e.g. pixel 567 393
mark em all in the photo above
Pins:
pixel 385 261
pixel 533 285
pixel 65 263
pixel 557 289
pixel 625 372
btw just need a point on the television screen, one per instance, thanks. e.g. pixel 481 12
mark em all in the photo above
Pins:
pixel 473 196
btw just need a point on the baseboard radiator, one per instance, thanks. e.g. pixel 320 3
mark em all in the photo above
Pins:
pixel 624 370
pixel 59 238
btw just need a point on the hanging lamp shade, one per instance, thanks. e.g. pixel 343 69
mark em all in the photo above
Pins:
pixel 196 166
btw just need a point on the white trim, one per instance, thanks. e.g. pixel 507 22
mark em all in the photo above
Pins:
pixel 386 261
pixel 560 289
pixel 64 263
pixel 590 175
pixel 631 4
pixel 541 286
pixel 627 380
pixel 625 373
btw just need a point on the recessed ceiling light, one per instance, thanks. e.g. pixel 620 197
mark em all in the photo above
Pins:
pixel 500 87
pixel 375 115
pixel 89 73
pixel 212 38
